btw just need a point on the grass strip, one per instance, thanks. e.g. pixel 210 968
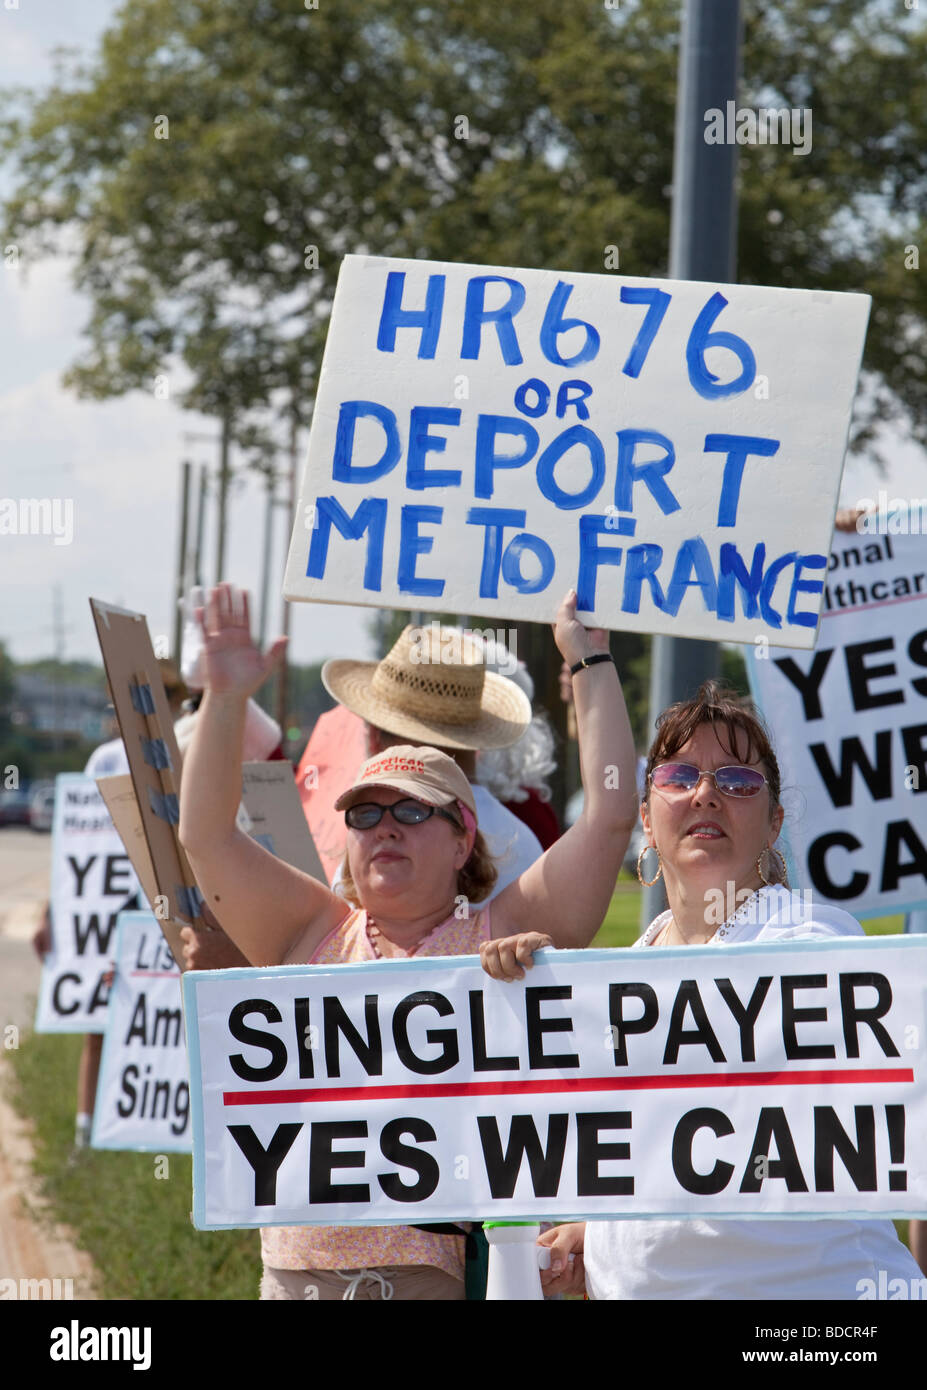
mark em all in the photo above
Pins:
pixel 134 1225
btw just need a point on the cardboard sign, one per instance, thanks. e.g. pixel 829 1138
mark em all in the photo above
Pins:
pixel 605 1084
pixel 336 749
pixel 270 812
pixel 486 438
pixel 143 1090
pixel 274 817
pixel 849 725
pixel 119 795
pixel 154 759
pixel 91 882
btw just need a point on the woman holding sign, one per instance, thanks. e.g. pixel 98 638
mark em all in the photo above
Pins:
pixel 415 859
pixel 711 818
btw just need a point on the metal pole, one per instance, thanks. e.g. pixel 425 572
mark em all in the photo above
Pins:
pixel 200 520
pixel 265 563
pixel 223 494
pixel 186 468
pixel 283 673
pixel 703 246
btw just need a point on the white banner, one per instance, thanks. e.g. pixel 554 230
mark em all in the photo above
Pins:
pixel 92 880
pixel 143 1091
pixel 746 1081
pixel 486 438
pixel 849 724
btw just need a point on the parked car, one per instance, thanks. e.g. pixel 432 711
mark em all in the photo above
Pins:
pixel 14 806
pixel 42 806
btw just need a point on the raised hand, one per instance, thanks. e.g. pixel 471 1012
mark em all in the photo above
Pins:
pixel 234 664
pixel 573 640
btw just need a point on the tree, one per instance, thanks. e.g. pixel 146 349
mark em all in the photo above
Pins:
pixel 218 157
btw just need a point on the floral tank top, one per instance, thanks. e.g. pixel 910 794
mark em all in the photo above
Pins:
pixel 371 1247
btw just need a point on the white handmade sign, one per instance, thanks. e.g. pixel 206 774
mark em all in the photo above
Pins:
pixel 92 880
pixel 743 1081
pixel 486 438
pixel 143 1091
pixel 849 724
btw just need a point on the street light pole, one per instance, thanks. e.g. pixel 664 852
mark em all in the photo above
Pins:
pixel 703 246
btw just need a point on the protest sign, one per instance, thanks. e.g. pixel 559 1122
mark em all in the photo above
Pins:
pixel 753 1080
pixel 486 438
pixel 143 1090
pixel 154 760
pixel 91 882
pixel 849 724
pixel 337 746
pixel 272 815
pixel 119 795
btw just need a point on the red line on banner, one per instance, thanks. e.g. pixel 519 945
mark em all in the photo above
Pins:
pixel 437 1090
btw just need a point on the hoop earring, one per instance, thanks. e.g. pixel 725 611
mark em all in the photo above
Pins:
pixel 780 865
pixel 648 883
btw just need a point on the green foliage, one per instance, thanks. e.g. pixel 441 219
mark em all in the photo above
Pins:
pixel 533 135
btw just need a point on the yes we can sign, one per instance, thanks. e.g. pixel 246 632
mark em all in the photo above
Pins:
pixel 751 1080
pixel 92 881
pixel 486 438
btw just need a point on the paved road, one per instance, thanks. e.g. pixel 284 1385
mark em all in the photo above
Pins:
pixel 29 1249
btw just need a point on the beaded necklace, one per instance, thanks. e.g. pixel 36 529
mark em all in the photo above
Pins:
pixel 374 934
pixel 733 921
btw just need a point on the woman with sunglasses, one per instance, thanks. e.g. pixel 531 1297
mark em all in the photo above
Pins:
pixel 711 818
pixel 415 861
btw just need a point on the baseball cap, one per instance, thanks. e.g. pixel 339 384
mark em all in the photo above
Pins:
pixel 421 772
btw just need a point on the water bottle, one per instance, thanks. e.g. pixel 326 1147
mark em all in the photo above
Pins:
pixel 513 1261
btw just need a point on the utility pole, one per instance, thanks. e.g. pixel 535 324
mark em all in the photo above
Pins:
pixel 703 246
pixel 270 483
pixel 224 474
pixel 283 673
pixel 193 437
pixel 58 634
pixel 200 519
pixel 182 558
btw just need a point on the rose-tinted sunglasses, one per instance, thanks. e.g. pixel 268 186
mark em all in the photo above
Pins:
pixel 735 780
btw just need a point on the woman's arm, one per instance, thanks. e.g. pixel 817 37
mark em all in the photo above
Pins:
pixel 264 905
pixel 566 892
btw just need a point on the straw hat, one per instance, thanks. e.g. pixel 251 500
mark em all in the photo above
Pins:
pixel 418 693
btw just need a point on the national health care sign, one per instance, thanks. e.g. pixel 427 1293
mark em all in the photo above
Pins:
pixel 744 1081
pixel 92 881
pixel 486 438
pixel 849 724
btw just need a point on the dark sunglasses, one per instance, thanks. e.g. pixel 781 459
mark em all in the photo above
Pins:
pixel 366 814
pixel 735 780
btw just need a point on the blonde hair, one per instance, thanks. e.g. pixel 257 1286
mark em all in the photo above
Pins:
pixel 475 881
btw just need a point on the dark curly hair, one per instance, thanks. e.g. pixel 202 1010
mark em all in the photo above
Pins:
pixel 743 735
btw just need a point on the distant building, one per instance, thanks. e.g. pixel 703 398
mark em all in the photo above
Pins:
pixel 49 707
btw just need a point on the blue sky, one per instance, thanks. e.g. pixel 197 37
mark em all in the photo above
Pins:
pixel 119 462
